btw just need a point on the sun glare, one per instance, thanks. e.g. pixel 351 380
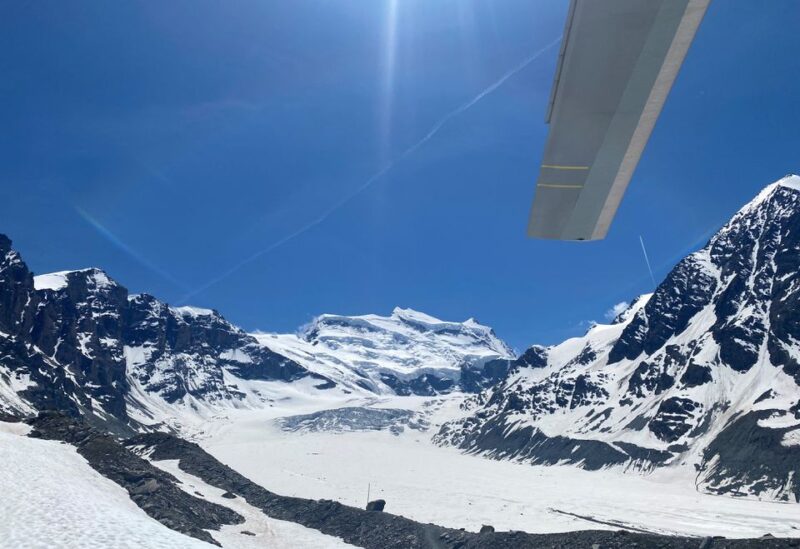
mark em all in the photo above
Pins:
pixel 387 80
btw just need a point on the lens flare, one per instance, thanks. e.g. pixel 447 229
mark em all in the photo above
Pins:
pixel 120 245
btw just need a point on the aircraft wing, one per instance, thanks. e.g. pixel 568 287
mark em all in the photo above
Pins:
pixel 617 64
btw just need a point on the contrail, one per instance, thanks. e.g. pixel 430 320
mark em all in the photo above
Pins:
pixel 452 114
pixel 377 175
pixel 115 240
pixel 647 260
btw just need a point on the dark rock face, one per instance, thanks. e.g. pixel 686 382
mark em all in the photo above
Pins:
pixel 770 278
pixel 766 395
pixel 530 444
pixel 534 357
pixel 47 388
pixel 64 343
pixel 584 392
pixel 17 296
pixel 77 345
pixel 696 375
pixel 686 291
pixel 649 378
pixel 756 256
pixel 586 356
pixel 747 458
pixel 186 353
pixel 672 420
pixel 424 385
pixel 474 380
pixel 80 327
pixel 10 418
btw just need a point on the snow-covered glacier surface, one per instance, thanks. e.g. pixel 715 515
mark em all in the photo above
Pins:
pixel 52 497
pixel 442 485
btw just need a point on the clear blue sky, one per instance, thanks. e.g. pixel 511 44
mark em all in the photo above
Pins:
pixel 167 142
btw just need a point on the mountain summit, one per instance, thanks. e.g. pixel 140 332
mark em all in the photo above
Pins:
pixel 406 353
pixel 703 372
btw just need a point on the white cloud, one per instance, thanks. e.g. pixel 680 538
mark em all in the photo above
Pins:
pixel 617 310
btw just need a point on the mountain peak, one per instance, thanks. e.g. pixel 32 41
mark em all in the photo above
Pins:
pixel 5 243
pixel 777 202
pixel 193 312
pixel 59 280
pixel 414 316
pixel 401 312
pixel 634 307
pixel 406 352
pixel 791 180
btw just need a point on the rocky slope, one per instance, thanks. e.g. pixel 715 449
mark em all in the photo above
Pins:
pixel 704 372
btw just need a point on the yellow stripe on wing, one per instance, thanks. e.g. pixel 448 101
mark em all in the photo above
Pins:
pixel 557 167
pixel 554 186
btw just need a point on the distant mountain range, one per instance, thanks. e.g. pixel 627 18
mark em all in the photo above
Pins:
pixel 703 372
pixel 77 341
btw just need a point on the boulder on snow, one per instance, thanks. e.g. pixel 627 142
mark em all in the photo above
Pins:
pixel 487 529
pixel 376 505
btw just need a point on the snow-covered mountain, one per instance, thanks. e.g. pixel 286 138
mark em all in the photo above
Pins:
pixel 406 353
pixel 76 341
pixel 705 372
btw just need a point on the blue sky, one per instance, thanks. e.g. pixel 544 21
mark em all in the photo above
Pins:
pixel 171 143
